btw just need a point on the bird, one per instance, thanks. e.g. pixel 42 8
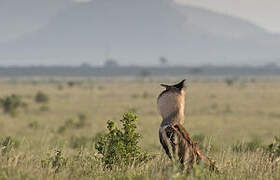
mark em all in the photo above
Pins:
pixel 174 138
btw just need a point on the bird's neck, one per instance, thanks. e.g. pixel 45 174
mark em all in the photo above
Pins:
pixel 177 117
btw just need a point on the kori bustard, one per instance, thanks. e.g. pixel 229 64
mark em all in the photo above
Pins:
pixel 174 138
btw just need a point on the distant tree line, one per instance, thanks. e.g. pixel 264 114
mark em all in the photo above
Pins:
pixel 112 68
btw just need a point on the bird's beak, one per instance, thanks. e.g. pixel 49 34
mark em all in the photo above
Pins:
pixel 164 85
pixel 180 85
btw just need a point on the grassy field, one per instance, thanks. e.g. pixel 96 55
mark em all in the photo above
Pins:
pixel 220 115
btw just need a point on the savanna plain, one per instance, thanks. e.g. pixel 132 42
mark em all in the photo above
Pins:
pixel 52 133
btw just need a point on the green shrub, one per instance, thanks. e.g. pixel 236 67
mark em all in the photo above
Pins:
pixel 10 104
pixel 41 97
pixel 8 143
pixel 119 147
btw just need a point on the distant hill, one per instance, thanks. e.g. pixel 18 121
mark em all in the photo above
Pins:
pixel 18 17
pixel 138 32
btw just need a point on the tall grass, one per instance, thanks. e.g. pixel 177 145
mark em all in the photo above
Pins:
pixel 235 126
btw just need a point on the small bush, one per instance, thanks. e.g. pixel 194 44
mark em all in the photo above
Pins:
pixel 70 83
pixel 71 124
pixel 68 124
pixel 274 148
pixel 44 108
pixel 82 116
pixel 8 143
pixel 230 81
pixel 61 129
pixel 135 96
pixel 41 97
pixel 55 161
pixel 10 104
pixel 214 106
pixel 119 147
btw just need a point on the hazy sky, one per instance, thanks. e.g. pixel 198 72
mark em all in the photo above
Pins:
pixel 265 13
pixel 18 17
